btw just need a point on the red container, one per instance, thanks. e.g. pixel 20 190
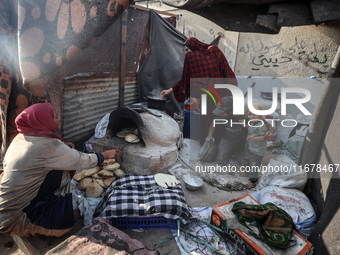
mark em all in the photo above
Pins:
pixel 191 104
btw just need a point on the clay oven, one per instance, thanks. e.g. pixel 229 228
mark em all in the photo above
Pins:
pixel 159 135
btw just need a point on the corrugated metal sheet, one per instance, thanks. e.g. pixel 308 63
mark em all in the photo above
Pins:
pixel 88 99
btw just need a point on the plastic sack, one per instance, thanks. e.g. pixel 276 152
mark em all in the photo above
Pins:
pixel 101 127
pixel 282 172
pixel 86 205
pixel 294 202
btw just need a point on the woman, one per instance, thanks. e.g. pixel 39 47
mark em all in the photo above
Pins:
pixel 201 61
pixel 35 192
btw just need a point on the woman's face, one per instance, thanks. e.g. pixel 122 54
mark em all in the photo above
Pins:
pixel 187 49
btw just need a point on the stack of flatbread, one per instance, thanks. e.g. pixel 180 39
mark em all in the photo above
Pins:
pixel 96 180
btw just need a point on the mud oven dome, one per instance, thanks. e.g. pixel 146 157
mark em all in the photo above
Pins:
pixel 159 139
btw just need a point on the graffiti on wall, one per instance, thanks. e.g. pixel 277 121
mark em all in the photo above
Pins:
pixel 275 55
pixel 191 34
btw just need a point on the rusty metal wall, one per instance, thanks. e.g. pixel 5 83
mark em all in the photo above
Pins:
pixel 88 99
pixel 94 90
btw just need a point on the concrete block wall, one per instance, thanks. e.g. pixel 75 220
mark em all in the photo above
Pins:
pixel 301 51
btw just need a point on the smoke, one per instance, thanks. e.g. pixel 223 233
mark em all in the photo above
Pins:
pixel 156 92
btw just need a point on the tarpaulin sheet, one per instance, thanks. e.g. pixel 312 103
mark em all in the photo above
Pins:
pixel 163 64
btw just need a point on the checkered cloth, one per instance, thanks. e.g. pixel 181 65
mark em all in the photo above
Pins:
pixel 138 195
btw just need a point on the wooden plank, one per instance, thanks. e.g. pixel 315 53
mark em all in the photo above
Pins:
pixel 122 59
pixel 168 12
pixel 25 246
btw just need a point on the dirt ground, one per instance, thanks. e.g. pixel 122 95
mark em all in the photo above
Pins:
pixel 207 195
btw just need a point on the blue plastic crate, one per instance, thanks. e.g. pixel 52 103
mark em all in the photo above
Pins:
pixel 156 222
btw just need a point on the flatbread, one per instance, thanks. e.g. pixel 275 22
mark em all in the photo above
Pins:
pixel 166 180
pixel 132 138
pixel 83 183
pixel 94 190
pixel 96 176
pixel 101 183
pixel 105 173
pixel 119 172
pixel 123 133
pixel 92 171
pixel 108 161
pixel 112 167
pixel 80 175
pixel 108 181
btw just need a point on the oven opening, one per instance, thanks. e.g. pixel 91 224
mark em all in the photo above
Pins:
pixel 124 128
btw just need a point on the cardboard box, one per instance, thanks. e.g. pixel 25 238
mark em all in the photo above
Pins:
pixel 247 244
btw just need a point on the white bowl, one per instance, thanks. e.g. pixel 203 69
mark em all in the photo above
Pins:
pixel 192 182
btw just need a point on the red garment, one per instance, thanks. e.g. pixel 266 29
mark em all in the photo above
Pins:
pixel 38 120
pixel 204 61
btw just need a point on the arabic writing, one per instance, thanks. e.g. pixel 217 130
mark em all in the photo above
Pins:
pixel 191 34
pixel 274 55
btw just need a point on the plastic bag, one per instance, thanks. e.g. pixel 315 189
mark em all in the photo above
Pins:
pixel 294 202
pixel 282 172
pixel 86 205
pixel 101 127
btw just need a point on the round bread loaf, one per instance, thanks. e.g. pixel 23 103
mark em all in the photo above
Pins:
pixel 108 181
pixel 96 176
pixel 132 138
pixel 108 161
pixel 119 172
pixel 83 183
pixel 92 171
pixel 112 167
pixel 80 175
pixel 123 133
pixel 101 183
pixel 105 173
pixel 94 190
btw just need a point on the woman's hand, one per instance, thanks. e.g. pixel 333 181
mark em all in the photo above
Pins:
pixel 110 153
pixel 69 144
pixel 166 92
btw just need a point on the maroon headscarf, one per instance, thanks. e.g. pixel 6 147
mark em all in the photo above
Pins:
pixel 204 61
pixel 38 120
pixel 195 45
